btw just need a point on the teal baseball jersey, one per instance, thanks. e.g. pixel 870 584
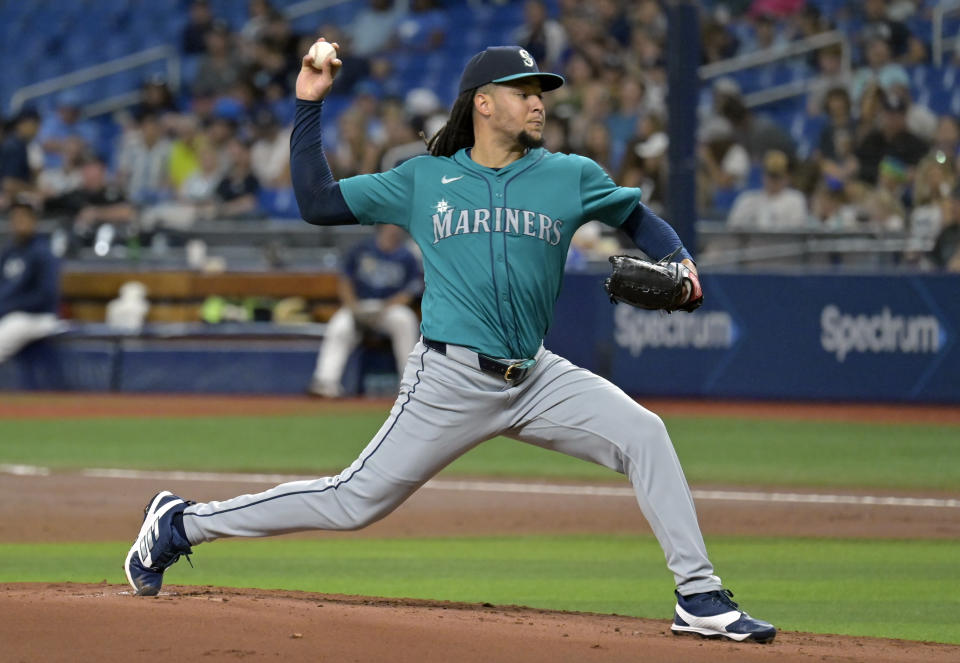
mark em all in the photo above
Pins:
pixel 494 242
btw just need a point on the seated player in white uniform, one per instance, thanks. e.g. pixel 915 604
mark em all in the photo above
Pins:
pixel 380 280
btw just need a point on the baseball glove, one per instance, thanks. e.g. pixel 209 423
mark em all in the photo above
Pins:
pixel 657 286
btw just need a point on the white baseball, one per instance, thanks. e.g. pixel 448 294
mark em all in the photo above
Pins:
pixel 321 51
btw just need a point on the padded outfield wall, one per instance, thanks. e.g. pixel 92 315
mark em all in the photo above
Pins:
pixel 869 338
pixel 758 336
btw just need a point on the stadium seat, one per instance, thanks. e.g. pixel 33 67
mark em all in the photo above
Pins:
pixel 723 200
pixel 278 203
pixel 805 130
pixel 921 27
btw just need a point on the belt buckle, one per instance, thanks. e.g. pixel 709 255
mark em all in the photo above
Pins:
pixel 519 366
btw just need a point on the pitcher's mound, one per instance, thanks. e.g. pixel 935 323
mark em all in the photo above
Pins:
pixel 105 623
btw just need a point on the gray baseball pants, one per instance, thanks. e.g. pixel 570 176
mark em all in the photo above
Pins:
pixel 447 406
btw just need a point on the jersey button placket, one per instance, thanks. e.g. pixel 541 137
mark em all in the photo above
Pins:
pixel 500 266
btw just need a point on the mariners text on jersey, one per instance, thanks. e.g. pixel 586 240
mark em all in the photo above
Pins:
pixel 505 219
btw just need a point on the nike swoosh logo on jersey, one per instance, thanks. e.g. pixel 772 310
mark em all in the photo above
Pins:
pixel 447 180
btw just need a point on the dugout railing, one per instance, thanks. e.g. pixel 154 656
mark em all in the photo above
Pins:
pixel 767 56
pixel 723 246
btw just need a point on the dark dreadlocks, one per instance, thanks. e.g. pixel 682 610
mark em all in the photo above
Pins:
pixel 457 133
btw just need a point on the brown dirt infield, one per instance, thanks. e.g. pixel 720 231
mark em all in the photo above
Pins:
pixel 70 507
pixel 66 405
pixel 71 622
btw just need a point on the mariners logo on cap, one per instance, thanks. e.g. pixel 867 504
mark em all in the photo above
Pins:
pixel 502 64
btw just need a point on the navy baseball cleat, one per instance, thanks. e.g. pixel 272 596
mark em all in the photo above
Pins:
pixel 158 545
pixel 714 614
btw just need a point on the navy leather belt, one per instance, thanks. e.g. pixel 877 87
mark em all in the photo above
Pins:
pixel 510 371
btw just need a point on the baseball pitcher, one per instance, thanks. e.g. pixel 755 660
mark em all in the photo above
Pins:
pixel 493 213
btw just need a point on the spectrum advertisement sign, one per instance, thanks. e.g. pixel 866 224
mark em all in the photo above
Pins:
pixel 836 337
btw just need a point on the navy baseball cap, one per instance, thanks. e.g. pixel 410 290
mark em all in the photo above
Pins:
pixel 500 64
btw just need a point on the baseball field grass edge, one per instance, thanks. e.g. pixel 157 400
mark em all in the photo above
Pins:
pixel 713 450
pixel 877 588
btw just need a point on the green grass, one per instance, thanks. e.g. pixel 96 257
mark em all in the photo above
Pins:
pixel 716 450
pixel 893 589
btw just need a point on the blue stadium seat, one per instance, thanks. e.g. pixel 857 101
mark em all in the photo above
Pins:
pixel 435 62
pixel 940 86
pixel 305 25
pixel 747 79
pixel 741 32
pixel 723 200
pixel 278 203
pixel 951 25
pixel 79 48
pixel 284 110
pixel 339 14
pixel 188 69
pixel 108 137
pixel 919 76
pixel 921 27
pixel 122 83
pixel 805 130
pixel 45 68
pixel 460 17
pixel 333 105
pixel 782 73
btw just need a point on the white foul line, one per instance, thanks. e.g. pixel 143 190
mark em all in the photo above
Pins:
pixel 25 470
pixel 720 495
pixel 509 487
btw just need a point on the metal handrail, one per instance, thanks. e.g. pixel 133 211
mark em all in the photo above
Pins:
pixel 305 7
pixel 810 248
pixel 721 229
pixel 113 103
pixel 165 51
pixel 788 243
pixel 772 54
pixel 767 55
pixel 939 12
pixel 87 74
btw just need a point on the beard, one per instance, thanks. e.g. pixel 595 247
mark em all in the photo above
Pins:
pixel 528 141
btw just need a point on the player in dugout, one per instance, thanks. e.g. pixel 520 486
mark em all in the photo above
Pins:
pixel 29 283
pixel 493 213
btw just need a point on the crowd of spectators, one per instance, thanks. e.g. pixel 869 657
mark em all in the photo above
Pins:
pixel 882 161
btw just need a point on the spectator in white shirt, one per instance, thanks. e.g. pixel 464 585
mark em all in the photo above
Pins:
pixel 774 206
pixel 543 37
pixel 375 26
pixel 197 193
pixel 142 164
pixel 932 195
pixel 727 162
pixel 270 154
pixel 66 177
